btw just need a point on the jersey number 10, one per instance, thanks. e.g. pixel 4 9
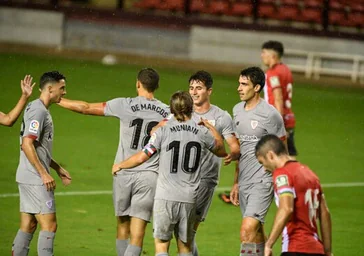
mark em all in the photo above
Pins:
pixel 191 147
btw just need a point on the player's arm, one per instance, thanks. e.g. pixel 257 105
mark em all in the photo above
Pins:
pixel 133 161
pixel 62 173
pixel 160 124
pixel 325 225
pixel 234 148
pixel 29 150
pixel 278 99
pixel 234 193
pixel 219 148
pixel 27 88
pixel 284 213
pixel 83 107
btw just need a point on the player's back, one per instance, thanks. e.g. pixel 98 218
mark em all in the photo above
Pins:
pixel 300 233
pixel 182 147
pixel 137 118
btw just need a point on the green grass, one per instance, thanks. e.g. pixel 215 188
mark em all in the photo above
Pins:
pixel 329 138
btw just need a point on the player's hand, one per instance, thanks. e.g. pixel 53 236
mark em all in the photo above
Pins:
pixel 27 86
pixel 234 195
pixel 205 123
pixel 49 182
pixel 65 177
pixel 115 169
pixel 227 159
pixel 268 251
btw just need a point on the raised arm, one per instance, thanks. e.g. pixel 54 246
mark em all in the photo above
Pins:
pixel 219 149
pixel 83 107
pixel 285 210
pixel 29 150
pixel 27 89
pixel 325 225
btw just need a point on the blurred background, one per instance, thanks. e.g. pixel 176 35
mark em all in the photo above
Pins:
pixel 100 45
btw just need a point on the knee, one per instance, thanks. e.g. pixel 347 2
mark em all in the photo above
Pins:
pixel 50 227
pixel 248 232
pixel 28 227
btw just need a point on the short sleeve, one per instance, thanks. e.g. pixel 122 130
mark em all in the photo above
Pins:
pixel 115 107
pixel 275 125
pixel 227 125
pixel 283 183
pixel 206 138
pixel 34 122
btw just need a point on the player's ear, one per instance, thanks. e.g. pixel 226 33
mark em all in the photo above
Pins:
pixel 257 88
pixel 209 91
pixel 270 155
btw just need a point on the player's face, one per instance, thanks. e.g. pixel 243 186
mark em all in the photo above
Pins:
pixel 266 162
pixel 199 92
pixel 246 89
pixel 58 90
pixel 266 56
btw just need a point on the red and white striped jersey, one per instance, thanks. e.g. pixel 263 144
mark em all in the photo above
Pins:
pixel 300 234
pixel 280 76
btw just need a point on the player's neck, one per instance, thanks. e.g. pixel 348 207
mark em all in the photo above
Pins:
pixel 273 63
pixel 283 160
pixel 202 109
pixel 251 103
pixel 146 94
pixel 45 100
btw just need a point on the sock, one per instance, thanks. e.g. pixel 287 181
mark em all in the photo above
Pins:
pixel 21 243
pixel 133 250
pixel 162 254
pixel 248 249
pixel 121 246
pixel 185 254
pixel 260 249
pixel 45 243
pixel 194 245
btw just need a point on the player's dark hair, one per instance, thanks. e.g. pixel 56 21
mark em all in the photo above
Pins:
pixel 270 142
pixel 255 75
pixel 149 78
pixel 181 105
pixel 204 77
pixel 50 77
pixel 275 46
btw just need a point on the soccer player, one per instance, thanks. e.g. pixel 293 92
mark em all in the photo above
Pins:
pixel 200 89
pixel 253 187
pixel 181 143
pixel 300 201
pixel 26 89
pixel 278 89
pixel 133 189
pixel 36 185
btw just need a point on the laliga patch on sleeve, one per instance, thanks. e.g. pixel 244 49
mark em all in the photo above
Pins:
pixel 34 126
pixel 282 180
pixel 274 81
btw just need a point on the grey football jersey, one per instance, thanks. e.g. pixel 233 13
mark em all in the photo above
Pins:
pixel 210 164
pixel 181 147
pixel 137 118
pixel 252 125
pixel 37 123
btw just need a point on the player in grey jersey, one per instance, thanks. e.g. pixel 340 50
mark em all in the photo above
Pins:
pixel 253 186
pixel 133 191
pixel 26 88
pixel 35 183
pixel 181 144
pixel 200 89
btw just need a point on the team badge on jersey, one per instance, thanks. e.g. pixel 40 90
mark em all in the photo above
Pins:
pixel 212 122
pixel 274 81
pixel 34 126
pixel 254 124
pixel 282 180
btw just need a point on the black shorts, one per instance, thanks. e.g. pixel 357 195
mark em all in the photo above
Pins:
pixel 292 151
pixel 299 254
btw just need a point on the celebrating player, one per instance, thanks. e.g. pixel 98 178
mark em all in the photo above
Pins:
pixel 200 88
pixel 36 185
pixel 300 201
pixel 182 144
pixel 26 88
pixel 253 188
pixel 133 189
pixel 278 89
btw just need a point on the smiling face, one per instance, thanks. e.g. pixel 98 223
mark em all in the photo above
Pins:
pixel 199 92
pixel 246 89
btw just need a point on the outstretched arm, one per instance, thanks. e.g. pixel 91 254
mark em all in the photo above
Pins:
pixel 133 161
pixel 83 107
pixel 27 89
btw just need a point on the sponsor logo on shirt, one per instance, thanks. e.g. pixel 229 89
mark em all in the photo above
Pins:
pixel 34 126
pixel 248 138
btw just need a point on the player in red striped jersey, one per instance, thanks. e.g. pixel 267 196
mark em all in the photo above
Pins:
pixel 300 201
pixel 278 89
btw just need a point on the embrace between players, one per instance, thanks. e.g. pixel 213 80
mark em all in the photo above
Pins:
pixel 168 162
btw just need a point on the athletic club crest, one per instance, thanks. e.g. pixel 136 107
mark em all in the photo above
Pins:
pixel 254 124
pixel 49 204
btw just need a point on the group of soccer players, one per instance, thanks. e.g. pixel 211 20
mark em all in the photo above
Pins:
pixel 168 162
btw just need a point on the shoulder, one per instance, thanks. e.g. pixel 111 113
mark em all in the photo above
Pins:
pixel 220 113
pixel 271 112
pixel 162 104
pixel 238 108
pixel 36 106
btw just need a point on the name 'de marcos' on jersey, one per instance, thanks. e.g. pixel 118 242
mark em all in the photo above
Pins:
pixel 141 107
